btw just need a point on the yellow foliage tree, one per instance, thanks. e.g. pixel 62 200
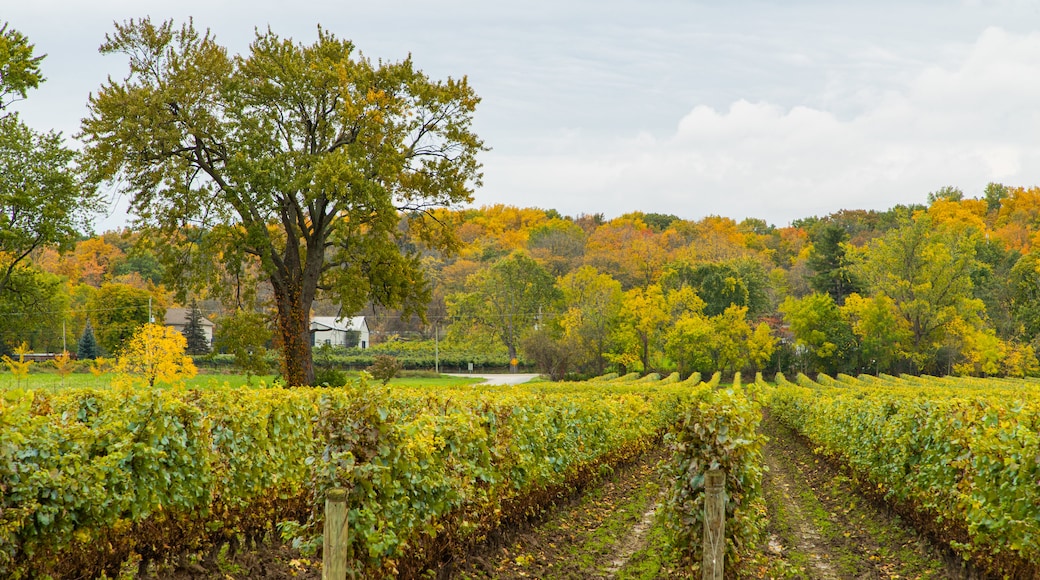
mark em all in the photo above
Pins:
pixel 19 368
pixel 64 365
pixel 99 366
pixel 154 354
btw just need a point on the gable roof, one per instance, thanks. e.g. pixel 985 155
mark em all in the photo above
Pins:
pixel 179 317
pixel 324 323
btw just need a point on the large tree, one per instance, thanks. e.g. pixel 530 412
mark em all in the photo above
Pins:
pixel 593 305
pixel 305 157
pixel 926 271
pixel 41 200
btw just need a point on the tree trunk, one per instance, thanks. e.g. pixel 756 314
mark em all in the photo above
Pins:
pixel 512 357
pixel 294 332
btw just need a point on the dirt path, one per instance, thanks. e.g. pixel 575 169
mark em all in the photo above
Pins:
pixel 593 536
pixel 820 528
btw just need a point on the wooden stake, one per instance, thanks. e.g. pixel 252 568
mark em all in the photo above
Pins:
pixel 714 525
pixel 334 550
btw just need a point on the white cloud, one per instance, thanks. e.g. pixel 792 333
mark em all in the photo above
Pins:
pixel 962 125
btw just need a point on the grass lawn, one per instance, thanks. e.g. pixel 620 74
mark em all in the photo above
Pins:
pixel 50 380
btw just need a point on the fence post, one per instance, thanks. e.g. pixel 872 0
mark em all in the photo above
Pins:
pixel 334 549
pixel 714 525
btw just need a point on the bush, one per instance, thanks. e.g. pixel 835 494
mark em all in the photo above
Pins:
pixel 385 368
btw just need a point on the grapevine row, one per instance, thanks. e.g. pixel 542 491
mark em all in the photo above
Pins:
pixel 959 456
pixel 89 477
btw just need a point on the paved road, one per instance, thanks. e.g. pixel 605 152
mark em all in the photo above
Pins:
pixel 497 379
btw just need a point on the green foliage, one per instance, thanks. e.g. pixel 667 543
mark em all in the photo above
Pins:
pixel 883 334
pixel 958 454
pixel 42 201
pixel 830 263
pixel 19 69
pixel 326 370
pixel 818 327
pixel 91 476
pixel 926 270
pixel 947 193
pixel 301 161
pixel 592 309
pixel 31 307
pixel 507 299
pixel 143 262
pixel 119 310
pixel 244 334
pixel 87 347
pixel 717 430
pixel 197 343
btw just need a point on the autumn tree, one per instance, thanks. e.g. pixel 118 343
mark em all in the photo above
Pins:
pixel 823 337
pixel 592 303
pixel 154 354
pixel 883 334
pixel 926 271
pixel 642 322
pixel 559 245
pixel 19 368
pixel 629 250
pixel 509 298
pixel 303 156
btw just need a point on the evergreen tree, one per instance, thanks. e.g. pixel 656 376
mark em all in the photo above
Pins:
pixel 87 349
pixel 193 332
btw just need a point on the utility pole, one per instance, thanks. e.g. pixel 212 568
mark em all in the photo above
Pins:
pixel 436 348
pixel 150 318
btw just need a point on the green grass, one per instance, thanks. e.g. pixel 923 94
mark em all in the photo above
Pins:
pixel 49 380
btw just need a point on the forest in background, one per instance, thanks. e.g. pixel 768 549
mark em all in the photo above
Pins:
pixel 951 287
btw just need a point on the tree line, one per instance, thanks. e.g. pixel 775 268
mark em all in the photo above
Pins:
pixel 299 177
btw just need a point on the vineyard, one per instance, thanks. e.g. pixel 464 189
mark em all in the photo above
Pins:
pixel 956 456
pixel 95 478
pixel 105 482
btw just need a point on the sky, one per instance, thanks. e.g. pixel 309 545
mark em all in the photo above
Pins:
pixel 773 110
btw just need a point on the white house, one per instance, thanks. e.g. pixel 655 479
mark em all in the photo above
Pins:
pixel 178 319
pixel 335 331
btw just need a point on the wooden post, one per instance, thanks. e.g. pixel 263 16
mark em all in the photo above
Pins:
pixel 334 550
pixel 714 525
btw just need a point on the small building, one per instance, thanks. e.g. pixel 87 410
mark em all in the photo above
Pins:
pixel 177 318
pixel 348 332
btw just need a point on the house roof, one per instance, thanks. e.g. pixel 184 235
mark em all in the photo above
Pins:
pixel 342 324
pixel 179 317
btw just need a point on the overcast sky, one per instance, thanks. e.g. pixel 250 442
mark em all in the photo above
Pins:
pixel 776 110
